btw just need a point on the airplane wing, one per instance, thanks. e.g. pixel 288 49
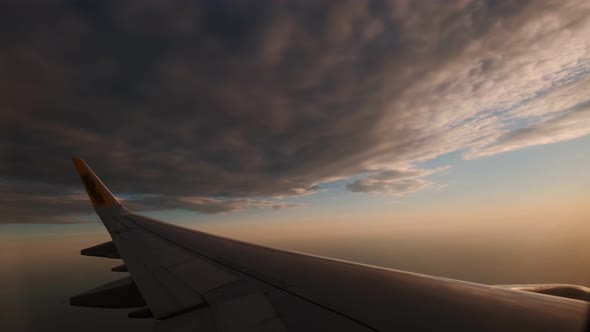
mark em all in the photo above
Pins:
pixel 193 281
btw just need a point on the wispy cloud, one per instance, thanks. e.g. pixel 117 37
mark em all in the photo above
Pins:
pixel 217 205
pixel 396 182
pixel 207 205
pixel 569 125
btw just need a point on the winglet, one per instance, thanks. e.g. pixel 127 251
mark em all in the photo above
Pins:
pixel 99 194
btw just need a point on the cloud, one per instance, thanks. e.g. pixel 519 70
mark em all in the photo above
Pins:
pixel 75 208
pixel 572 124
pixel 395 182
pixel 207 205
pixel 271 99
pixel 215 205
pixel 43 203
pixel 395 188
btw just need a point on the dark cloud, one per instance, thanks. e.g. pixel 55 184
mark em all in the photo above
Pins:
pixel 48 204
pixel 27 201
pixel 236 99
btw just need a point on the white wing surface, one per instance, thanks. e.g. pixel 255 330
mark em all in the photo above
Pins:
pixel 193 281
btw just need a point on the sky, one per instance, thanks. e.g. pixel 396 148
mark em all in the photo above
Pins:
pixel 441 137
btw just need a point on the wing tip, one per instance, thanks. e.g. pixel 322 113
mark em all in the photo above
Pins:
pixel 79 163
pixel 99 194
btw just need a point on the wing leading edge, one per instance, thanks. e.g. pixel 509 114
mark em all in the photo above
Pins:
pixel 190 279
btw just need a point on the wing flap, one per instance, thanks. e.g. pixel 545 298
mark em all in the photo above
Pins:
pixel 202 276
pixel 120 268
pixel 171 279
pixel 252 312
pixel 198 320
pixel 163 292
pixel 121 293
pixel 141 313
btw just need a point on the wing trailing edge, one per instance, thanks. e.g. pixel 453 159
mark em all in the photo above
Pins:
pixel 122 293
